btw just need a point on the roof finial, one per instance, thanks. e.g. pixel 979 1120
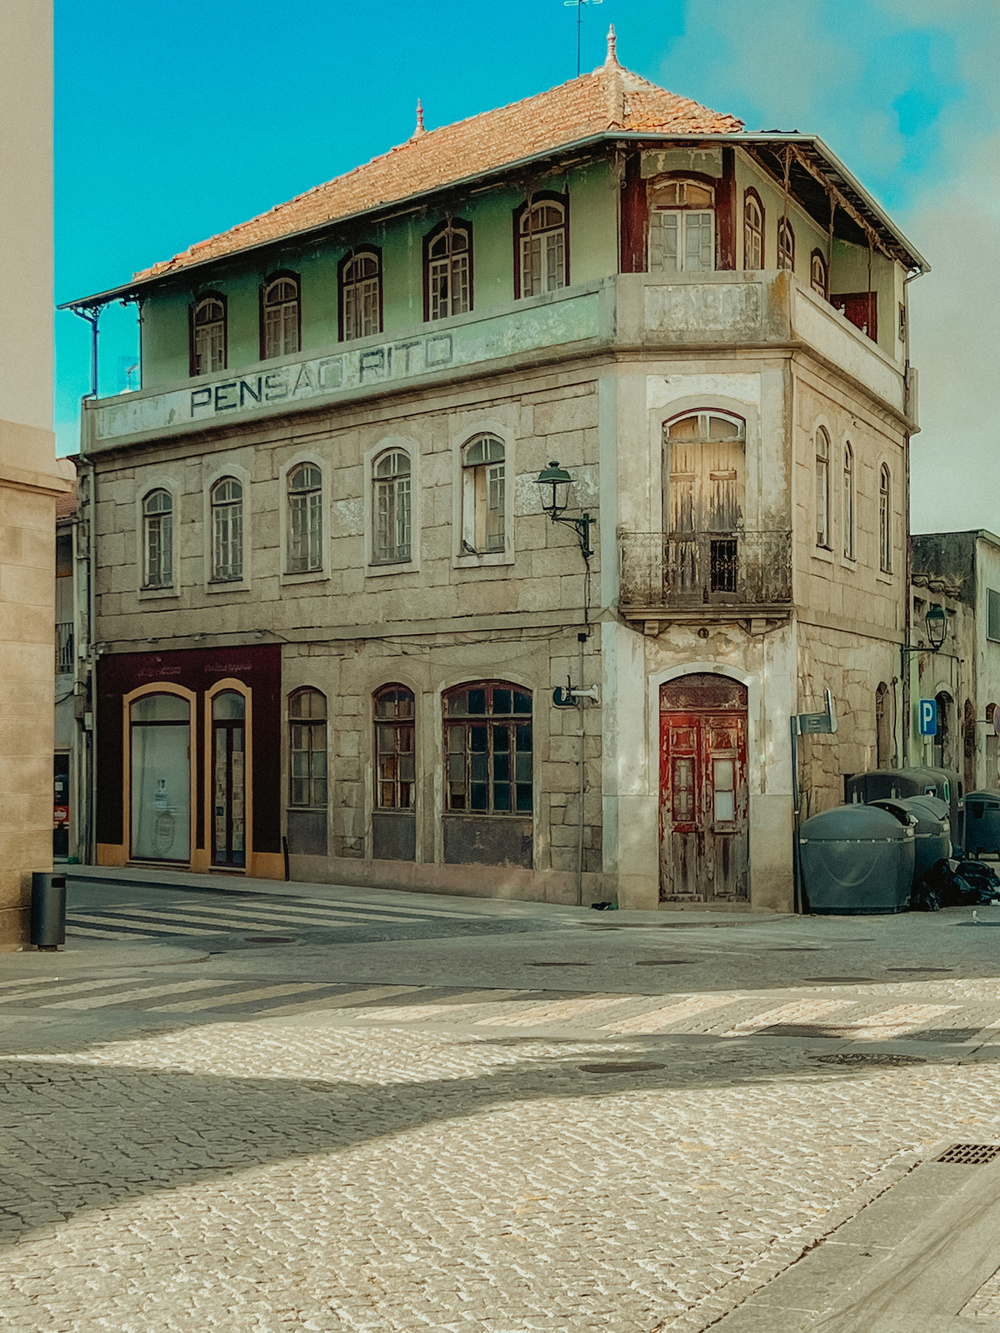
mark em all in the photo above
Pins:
pixel 612 58
pixel 420 119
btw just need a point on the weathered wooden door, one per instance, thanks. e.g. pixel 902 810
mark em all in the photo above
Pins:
pixel 704 466
pixel 704 804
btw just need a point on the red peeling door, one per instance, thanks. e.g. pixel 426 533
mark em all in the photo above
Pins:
pixel 703 790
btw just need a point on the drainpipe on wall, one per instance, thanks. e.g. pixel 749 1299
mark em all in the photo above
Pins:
pixel 907 664
pixel 581 639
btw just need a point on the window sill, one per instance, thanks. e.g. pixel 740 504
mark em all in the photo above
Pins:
pixel 823 553
pixel 156 594
pixel 311 576
pixel 884 577
pixel 849 562
pixel 483 560
pixel 216 586
pixel 378 569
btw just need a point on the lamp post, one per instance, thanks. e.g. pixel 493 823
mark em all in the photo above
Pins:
pixel 559 480
pixel 936 629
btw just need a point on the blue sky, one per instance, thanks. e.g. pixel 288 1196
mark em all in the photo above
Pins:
pixel 177 121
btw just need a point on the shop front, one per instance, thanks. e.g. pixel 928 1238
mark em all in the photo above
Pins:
pixel 189 760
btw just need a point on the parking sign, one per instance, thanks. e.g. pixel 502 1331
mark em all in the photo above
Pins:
pixel 928 717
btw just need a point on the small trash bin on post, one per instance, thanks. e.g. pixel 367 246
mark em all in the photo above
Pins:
pixel 48 909
pixel 856 860
pixel 982 822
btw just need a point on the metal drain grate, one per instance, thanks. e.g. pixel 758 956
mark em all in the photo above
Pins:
pixel 863 1058
pixel 840 981
pixel 269 939
pixel 621 1067
pixel 559 964
pixel 664 962
pixel 969 1154
pixel 920 969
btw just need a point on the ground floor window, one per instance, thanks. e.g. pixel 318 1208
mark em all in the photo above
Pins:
pixel 488 747
pixel 160 746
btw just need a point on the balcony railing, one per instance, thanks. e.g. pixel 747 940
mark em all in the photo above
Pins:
pixel 705 569
pixel 64 648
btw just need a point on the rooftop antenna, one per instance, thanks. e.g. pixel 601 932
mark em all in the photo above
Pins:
pixel 578 6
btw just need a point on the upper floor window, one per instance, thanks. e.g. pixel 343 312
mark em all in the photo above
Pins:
pixel 484 499
pixel 543 247
pixel 786 245
pixel 753 231
pixel 307 749
pixel 158 539
pixel 488 748
pixel 448 276
pixel 361 294
pixel 817 273
pixel 391 506
pixel 394 750
pixel 227 530
pixel 884 520
pixel 305 519
pixel 849 501
pixel 681 227
pixel 208 335
pixel 822 488
pixel 280 311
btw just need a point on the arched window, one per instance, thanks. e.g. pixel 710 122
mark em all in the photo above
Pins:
pixel 884 520
pixel 305 519
pixel 391 508
pixel 227 530
pixel 488 741
pixel 681 227
pixel 704 463
pixel 394 749
pixel 158 540
pixel 883 727
pixel 448 271
pixel 208 335
pixel 753 231
pixel 280 312
pixel 822 488
pixel 786 245
pixel 484 499
pixel 159 760
pixel 849 501
pixel 307 749
pixel 542 247
pixel 361 295
pixel 817 273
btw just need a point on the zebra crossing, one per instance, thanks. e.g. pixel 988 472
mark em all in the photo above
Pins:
pixel 166 919
pixel 731 1015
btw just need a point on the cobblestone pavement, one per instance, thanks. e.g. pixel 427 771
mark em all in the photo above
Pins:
pixel 186 1148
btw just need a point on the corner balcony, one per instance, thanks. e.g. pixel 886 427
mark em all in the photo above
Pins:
pixel 702 576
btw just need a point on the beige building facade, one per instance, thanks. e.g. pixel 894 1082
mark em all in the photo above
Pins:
pixel 29 482
pixel 338 635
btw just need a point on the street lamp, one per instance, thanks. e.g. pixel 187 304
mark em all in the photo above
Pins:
pixel 560 480
pixel 936 625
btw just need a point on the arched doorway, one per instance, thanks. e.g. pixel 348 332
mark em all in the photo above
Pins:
pixel 883 727
pixel 943 744
pixel 704 802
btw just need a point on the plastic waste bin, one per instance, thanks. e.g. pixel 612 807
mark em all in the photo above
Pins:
pixel 932 832
pixel 893 783
pixel 856 860
pixel 48 909
pixel 982 822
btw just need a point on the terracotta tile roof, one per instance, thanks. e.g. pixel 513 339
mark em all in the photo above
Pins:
pixel 611 98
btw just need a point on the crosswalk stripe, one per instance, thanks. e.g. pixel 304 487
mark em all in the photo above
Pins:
pixel 554 1011
pixel 139 993
pixel 235 997
pixel 440 1009
pixel 110 920
pixel 89 933
pixel 895 1022
pixel 395 907
pixel 27 981
pixel 656 1020
pixel 349 1000
pixel 61 988
pixel 337 916
pixel 802 1011
pixel 152 919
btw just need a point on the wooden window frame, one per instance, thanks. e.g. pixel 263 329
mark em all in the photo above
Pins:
pixel 311 726
pixel 750 195
pixel 540 197
pixel 785 229
pixel 493 724
pixel 476 494
pixel 711 183
pixel 280 275
pixel 202 299
pixel 389 767
pixel 824 535
pixel 400 497
pixel 445 227
pixel 310 507
pixel 356 252
pixel 216 508
pixel 849 501
pixel 885 519
pixel 152 520
pixel 818 257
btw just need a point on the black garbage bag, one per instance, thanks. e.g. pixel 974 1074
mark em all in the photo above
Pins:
pixel 923 897
pixel 956 883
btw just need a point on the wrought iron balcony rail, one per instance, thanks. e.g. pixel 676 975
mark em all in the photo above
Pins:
pixel 64 648
pixel 742 568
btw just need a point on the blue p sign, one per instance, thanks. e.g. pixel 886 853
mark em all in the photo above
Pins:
pixel 928 717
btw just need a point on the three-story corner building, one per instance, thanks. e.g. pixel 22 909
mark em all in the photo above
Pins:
pixel 330 608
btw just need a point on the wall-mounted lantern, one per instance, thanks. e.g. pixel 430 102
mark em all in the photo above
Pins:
pixel 559 480
pixel 936 626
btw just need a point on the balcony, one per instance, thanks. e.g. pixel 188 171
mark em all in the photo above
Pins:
pixel 730 574
pixel 64 648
